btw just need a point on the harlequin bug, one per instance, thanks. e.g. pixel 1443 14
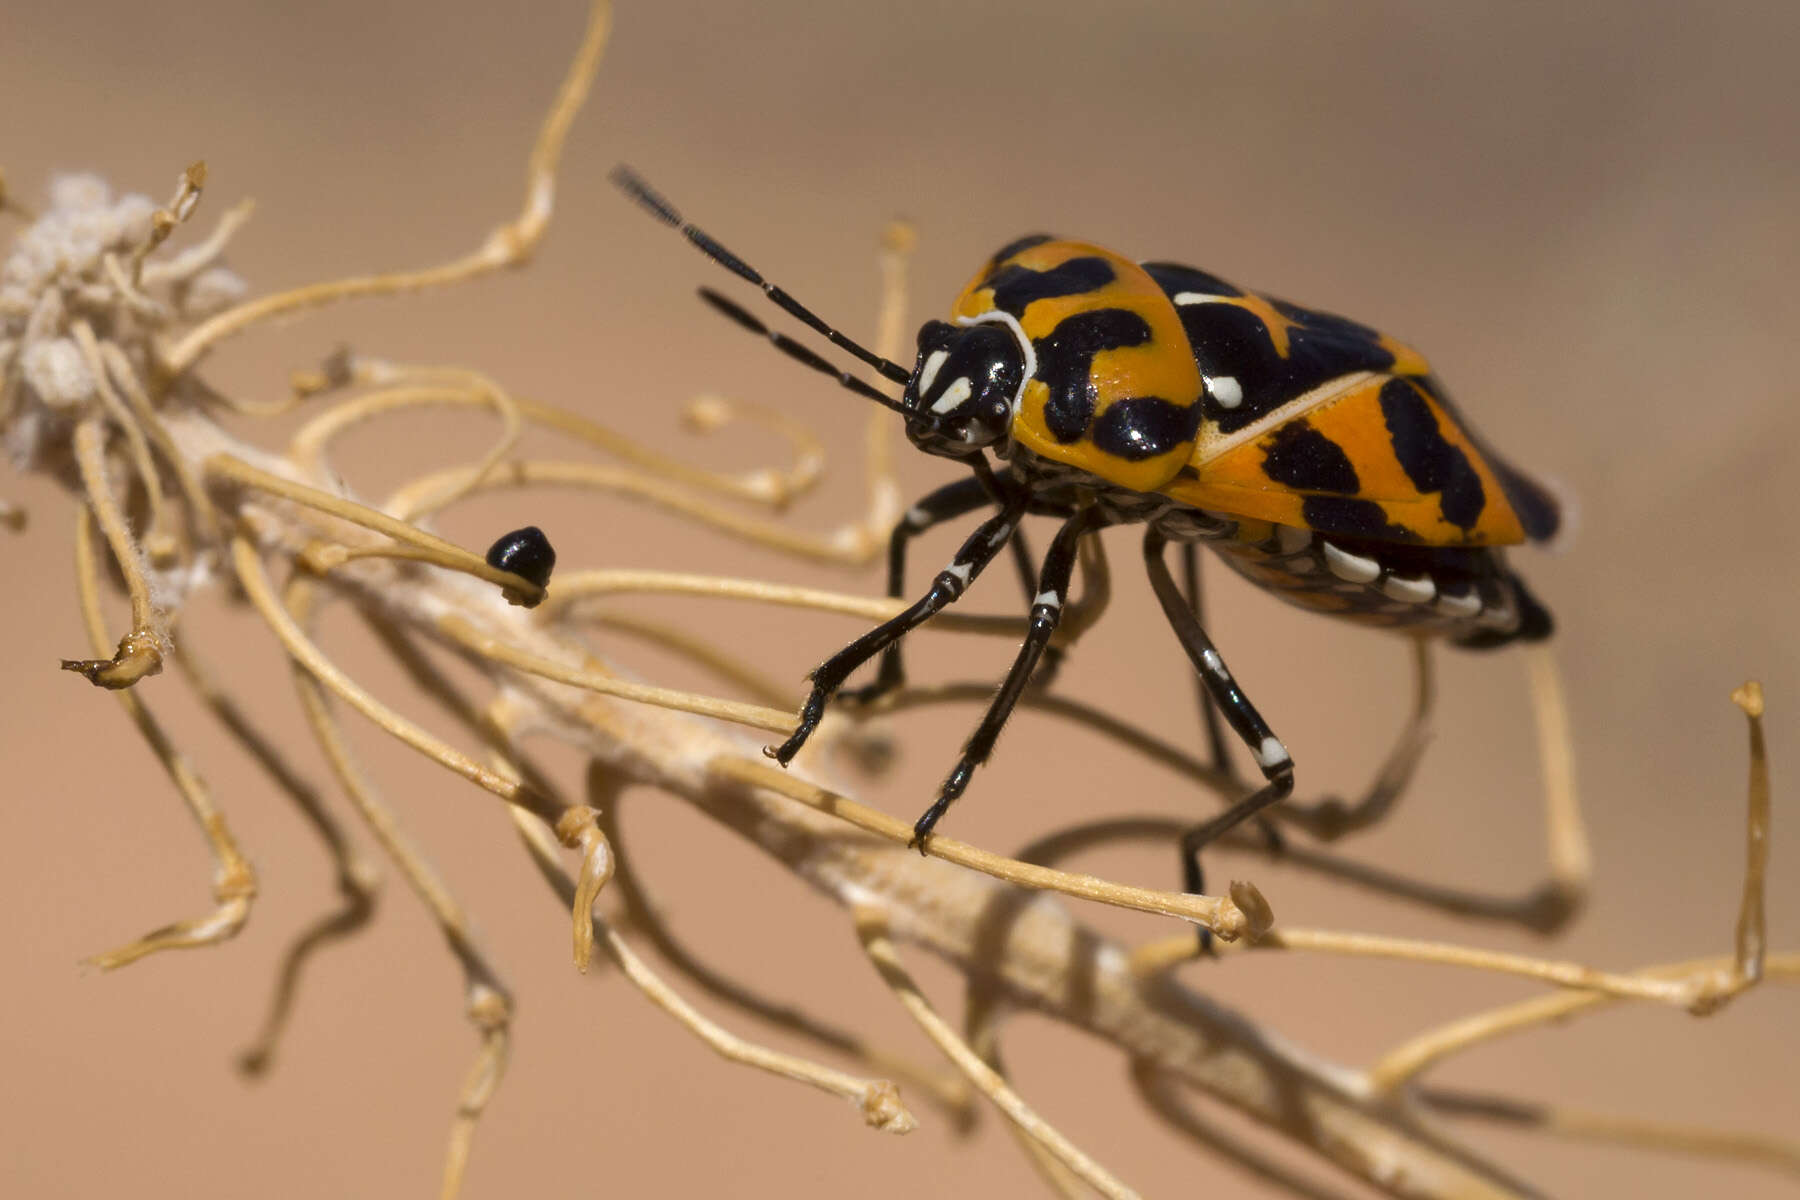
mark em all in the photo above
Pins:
pixel 1319 457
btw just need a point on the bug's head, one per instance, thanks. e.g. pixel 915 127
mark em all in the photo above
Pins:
pixel 961 394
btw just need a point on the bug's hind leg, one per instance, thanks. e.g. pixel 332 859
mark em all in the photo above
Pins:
pixel 1046 612
pixel 945 504
pixel 1271 756
pixel 1209 708
pixel 951 583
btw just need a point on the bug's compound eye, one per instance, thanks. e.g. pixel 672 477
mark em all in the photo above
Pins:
pixel 525 552
pixel 962 390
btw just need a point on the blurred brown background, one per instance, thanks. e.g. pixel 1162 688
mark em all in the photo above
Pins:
pixel 1587 219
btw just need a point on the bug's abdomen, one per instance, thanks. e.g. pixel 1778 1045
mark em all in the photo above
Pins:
pixel 1464 593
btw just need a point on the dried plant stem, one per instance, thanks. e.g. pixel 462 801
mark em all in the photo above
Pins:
pixel 598 679
pixel 256 584
pixel 234 884
pixel 1243 912
pixel 486 998
pixel 577 586
pixel 878 1100
pixel 140 651
pixel 159 544
pixel 448 554
pixel 200 505
pixel 949 1091
pixel 507 246
pixel 871 930
pixel 1776 1153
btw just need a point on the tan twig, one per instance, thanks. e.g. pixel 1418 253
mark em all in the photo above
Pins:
pixel 159 543
pixel 871 930
pixel 198 257
pixel 486 999
pixel 140 651
pixel 1780 1154
pixel 1164 1096
pixel 983 1013
pixel 255 582
pixel 234 884
pixel 324 556
pixel 595 679
pixel 200 505
pixel 1243 912
pixel 507 246
pixel 852 543
pixel 575 587
pixel 168 219
pixel 878 1100
pixel 357 880
pixel 639 914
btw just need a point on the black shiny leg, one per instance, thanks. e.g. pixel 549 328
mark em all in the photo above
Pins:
pixel 1209 708
pixel 1271 756
pixel 946 504
pixel 951 583
pixel 1046 611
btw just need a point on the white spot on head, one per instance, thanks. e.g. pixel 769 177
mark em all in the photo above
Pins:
pixel 960 390
pixel 961 571
pixel 1225 389
pixel 1353 568
pixel 1214 663
pixel 1465 605
pixel 1272 753
pixel 1413 591
pixel 1197 298
pixel 1026 349
pixel 1048 599
pixel 929 371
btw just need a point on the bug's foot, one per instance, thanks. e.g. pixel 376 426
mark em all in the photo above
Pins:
pixel 923 826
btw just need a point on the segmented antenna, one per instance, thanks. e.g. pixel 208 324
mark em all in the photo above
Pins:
pixel 629 182
pixel 796 351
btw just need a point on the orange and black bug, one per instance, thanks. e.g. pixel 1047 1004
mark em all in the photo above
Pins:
pixel 1319 457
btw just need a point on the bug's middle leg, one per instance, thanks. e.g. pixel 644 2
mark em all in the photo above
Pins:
pixel 951 583
pixel 1271 756
pixel 1046 612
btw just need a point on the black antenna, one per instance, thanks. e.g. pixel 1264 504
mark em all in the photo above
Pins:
pixel 796 351
pixel 629 182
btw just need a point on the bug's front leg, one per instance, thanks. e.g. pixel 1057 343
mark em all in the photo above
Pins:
pixel 951 583
pixel 947 503
pixel 1271 756
pixel 1046 612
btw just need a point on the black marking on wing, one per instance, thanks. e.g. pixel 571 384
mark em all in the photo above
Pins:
pixel 1539 512
pixel 1016 287
pixel 1231 341
pixel 1066 356
pixel 1431 462
pixel 1357 518
pixel 1017 246
pixel 1303 458
pixel 1145 426
pixel 1174 278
